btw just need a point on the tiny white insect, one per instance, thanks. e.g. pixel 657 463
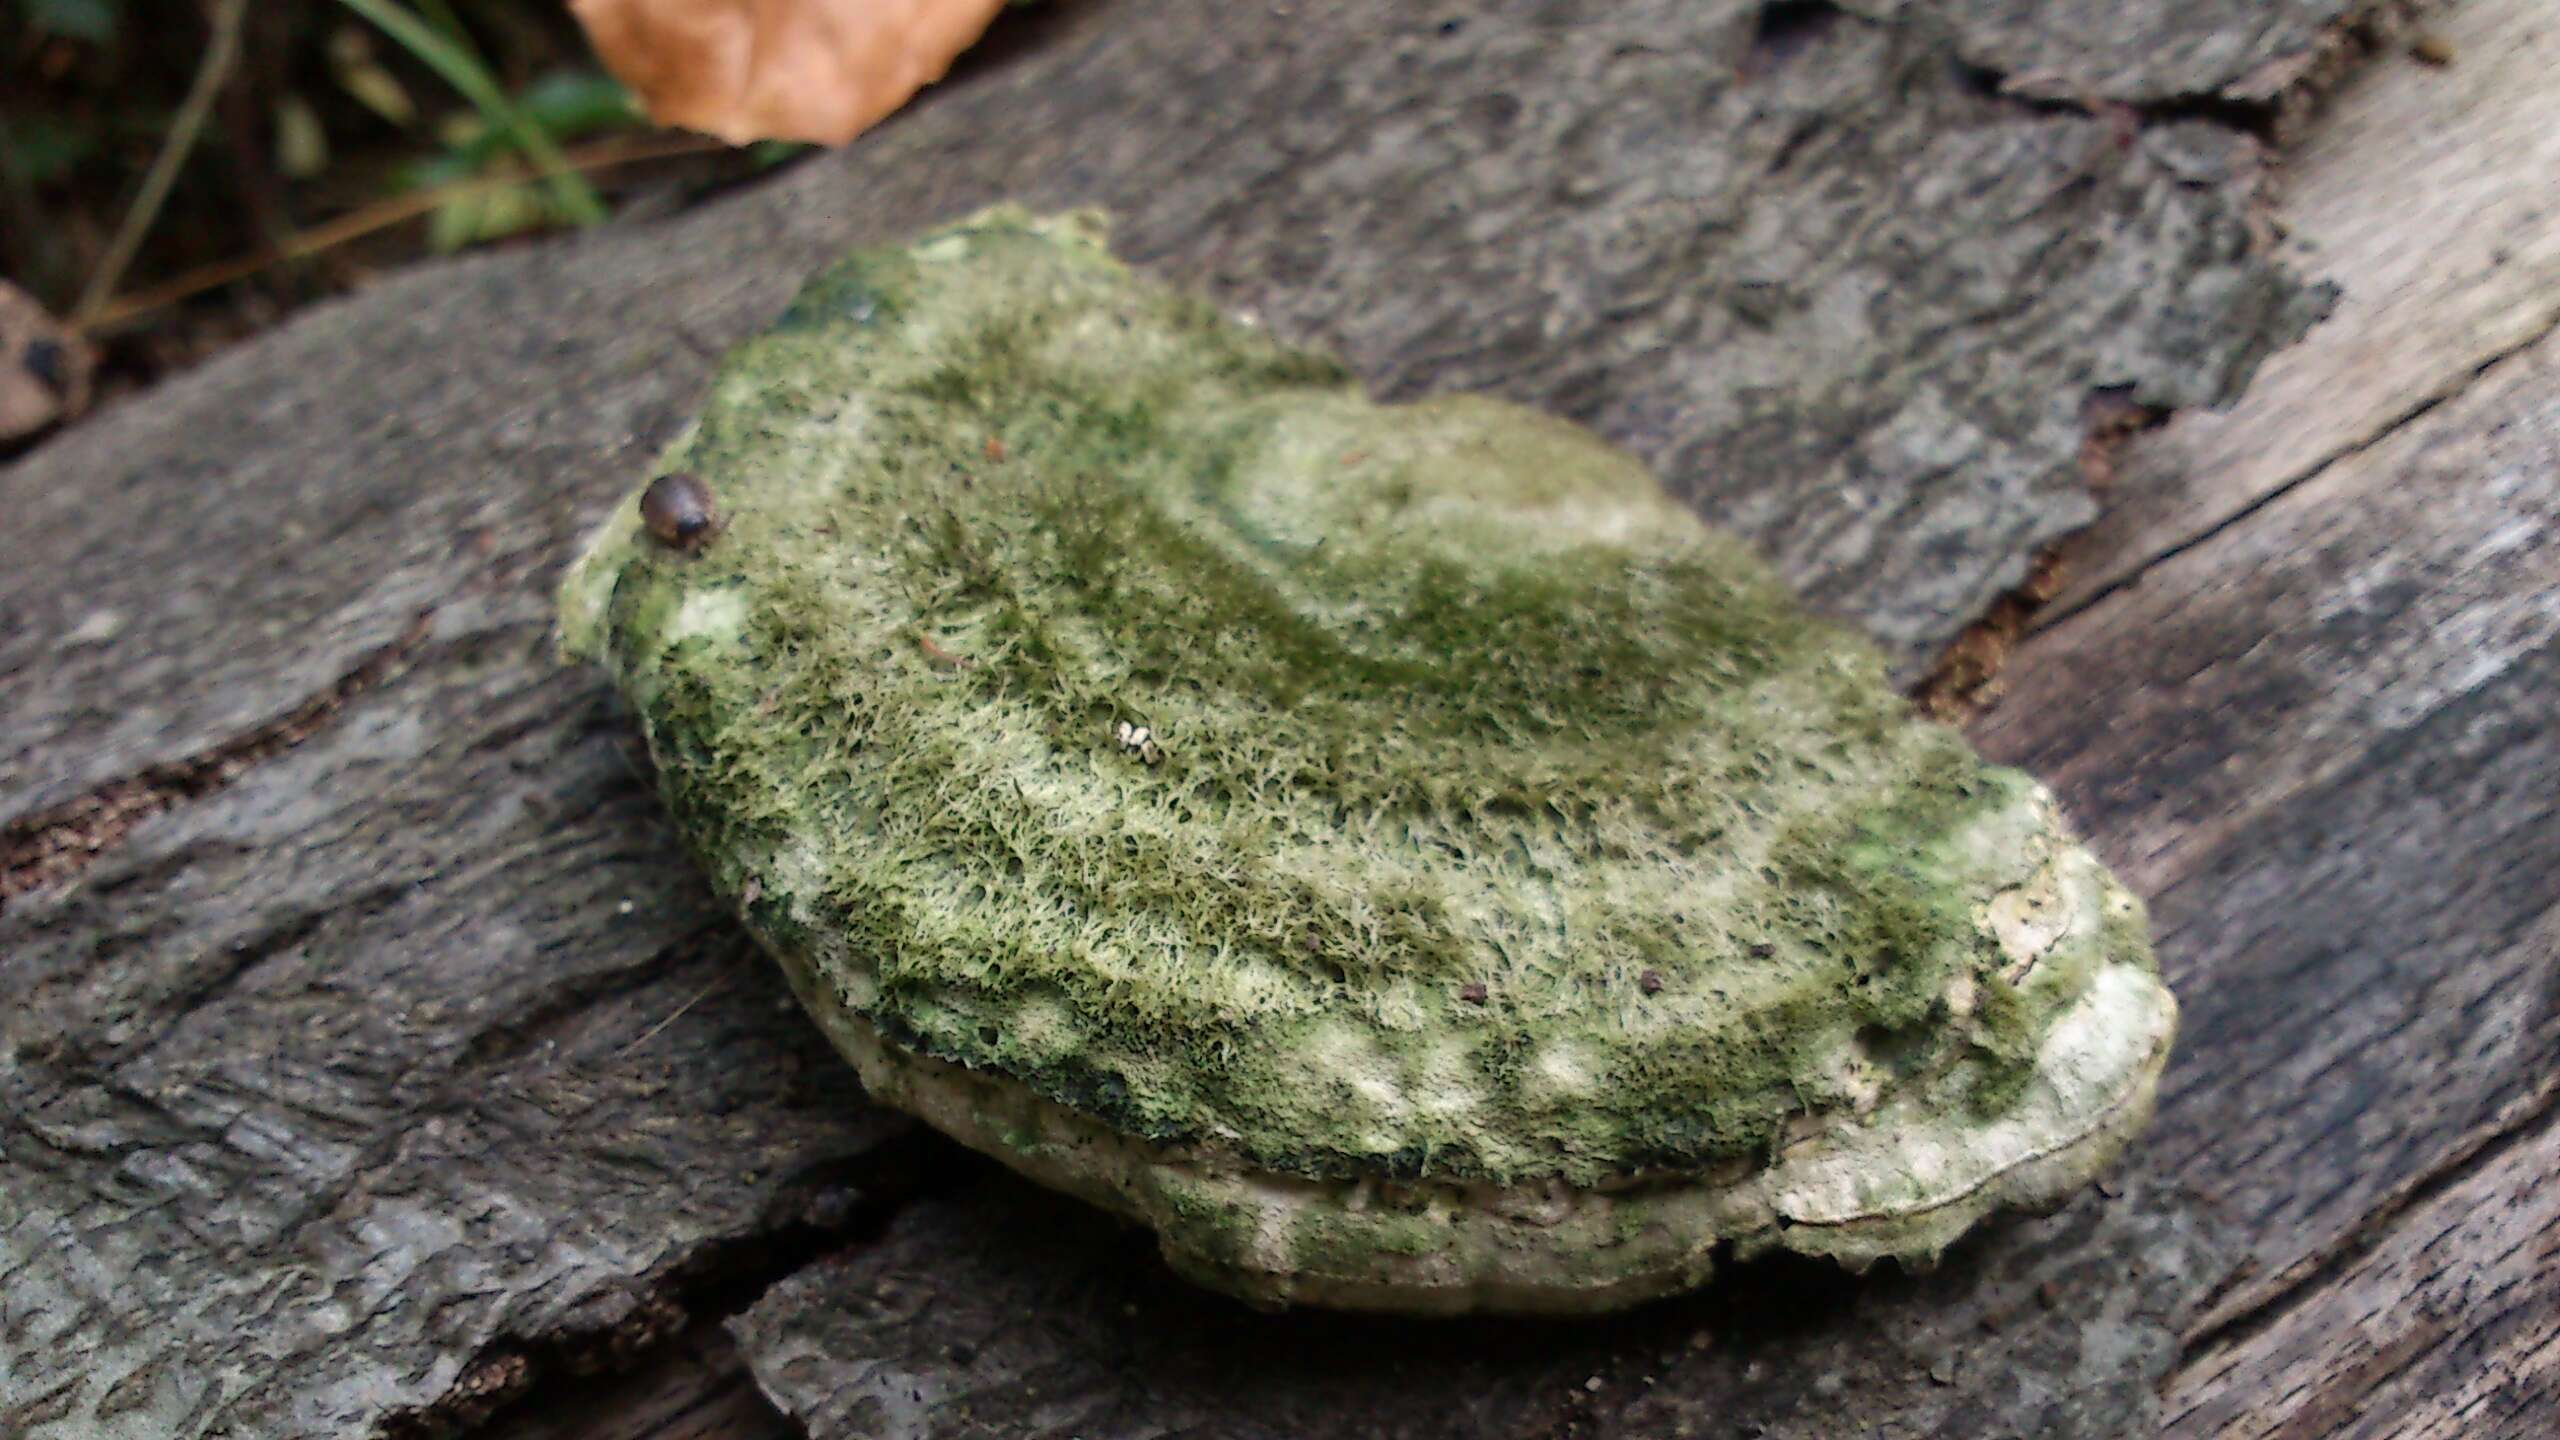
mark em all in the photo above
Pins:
pixel 1140 740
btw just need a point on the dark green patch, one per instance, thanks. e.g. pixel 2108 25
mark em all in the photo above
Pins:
pixel 2004 1046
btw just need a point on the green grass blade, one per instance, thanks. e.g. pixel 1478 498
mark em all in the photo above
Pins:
pixel 464 72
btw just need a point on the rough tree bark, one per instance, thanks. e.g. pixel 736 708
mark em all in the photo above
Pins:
pixel 371 1056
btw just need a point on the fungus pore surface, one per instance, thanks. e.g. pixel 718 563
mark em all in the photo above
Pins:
pixel 1393 850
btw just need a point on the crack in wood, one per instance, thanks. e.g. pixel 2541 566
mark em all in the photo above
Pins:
pixel 2246 1310
pixel 1966 676
pixel 2270 106
pixel 2342 1402
pixel 695 1387
pixel 2403 420
pixel 52 845
pixel 833 1209
pixel 2349 43
pixel 2257 119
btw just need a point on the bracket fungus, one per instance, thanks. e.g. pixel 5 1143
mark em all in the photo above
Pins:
pixel 1394 851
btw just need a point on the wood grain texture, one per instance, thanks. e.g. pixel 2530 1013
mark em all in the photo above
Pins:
pixel 331 1101
pixel 2431 196
pixel 2323 746
pixel 2321 743
pixel 407 1065
pixel 2447 1328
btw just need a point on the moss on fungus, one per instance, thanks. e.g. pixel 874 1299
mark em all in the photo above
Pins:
pixel 1461 731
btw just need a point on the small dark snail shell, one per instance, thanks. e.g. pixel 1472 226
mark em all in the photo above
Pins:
pixel 677 509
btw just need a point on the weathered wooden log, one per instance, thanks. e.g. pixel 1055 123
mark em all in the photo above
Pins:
pixel 370 1053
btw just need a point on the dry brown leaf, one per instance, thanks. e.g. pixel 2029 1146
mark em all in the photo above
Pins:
pixel 818 70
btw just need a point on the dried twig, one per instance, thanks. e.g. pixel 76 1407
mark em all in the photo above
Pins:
pixel 673 1016
pixel 382 215
pixel 184 131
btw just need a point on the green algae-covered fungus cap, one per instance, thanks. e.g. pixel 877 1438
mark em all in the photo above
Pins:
pixel 1394 851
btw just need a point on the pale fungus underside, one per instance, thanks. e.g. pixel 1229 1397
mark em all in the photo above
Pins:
pixel 1393 851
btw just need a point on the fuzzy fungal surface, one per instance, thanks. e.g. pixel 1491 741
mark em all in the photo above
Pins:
pixel 1392 850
